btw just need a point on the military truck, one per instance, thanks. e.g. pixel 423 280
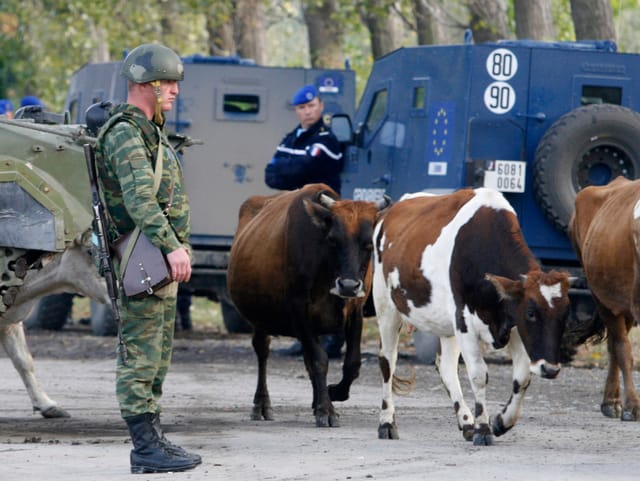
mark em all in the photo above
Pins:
pixel 42 209
pixel 240 111
pixel 536 120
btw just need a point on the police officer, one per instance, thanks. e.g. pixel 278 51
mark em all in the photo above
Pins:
pixel 308 154
pixel 126 154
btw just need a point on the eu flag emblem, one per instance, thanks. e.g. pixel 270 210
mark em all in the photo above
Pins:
pixel 441 119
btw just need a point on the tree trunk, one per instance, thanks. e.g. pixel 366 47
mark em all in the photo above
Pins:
pixel 219 18
pixel 534 20
pixel 593 19
pixel 488 20
pixel 376 16
pixel 326 33
pixel 249 31
pixel 426 26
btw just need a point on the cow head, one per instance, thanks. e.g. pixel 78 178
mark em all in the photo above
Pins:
pixel 538 306
pixel 348 229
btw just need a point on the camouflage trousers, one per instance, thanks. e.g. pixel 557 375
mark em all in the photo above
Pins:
pixel 147 331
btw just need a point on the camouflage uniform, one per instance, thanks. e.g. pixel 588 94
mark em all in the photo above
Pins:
pixel 127 149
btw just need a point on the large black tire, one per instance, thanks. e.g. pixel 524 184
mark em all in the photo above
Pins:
pixel 51 312
pixel 103 322
pixel 590 145
pixel 233 320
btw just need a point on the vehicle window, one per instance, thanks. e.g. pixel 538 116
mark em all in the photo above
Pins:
pixel 377 110
pixel 594 94
pixel 241 104
pixel 418 97
pixel 73 111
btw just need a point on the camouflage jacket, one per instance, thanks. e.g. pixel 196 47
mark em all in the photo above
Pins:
pixel 125 155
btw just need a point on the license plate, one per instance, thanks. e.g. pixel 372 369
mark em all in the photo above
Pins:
pixel 371 195
pixel 505 175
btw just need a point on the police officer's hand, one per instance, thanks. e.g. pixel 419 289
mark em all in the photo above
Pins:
pixel 180 264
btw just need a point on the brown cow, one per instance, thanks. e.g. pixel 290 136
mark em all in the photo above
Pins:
pixel 300 266
pixel 457 266
pixel 605 232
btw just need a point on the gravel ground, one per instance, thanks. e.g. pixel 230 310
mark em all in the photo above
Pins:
pixel 209 392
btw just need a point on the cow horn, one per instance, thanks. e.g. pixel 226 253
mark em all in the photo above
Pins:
pixel 384 202
pixel 325 200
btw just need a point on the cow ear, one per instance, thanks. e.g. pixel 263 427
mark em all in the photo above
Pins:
pixel 319 214
pixel 507 288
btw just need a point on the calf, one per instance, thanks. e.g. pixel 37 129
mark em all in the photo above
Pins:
pixel 300 265
pixel 457 266
pixel 605 233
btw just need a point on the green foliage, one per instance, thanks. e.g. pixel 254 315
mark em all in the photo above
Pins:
pixel 42 42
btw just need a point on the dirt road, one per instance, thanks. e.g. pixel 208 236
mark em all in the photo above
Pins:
pixel 561 435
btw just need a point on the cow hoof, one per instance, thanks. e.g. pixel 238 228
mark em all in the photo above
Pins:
pixel 258 413
pixel 326 421
pixel 482 439
pixel 388 431
pixel 334 421
pixel 54 412
pixel 629 415
pixel 483 436
pixel 613 410
pixel 467 432
pixel 336 393
pixel 498 427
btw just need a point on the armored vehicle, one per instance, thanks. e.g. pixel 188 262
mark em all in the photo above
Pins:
pixel 45 201
pixel 535 120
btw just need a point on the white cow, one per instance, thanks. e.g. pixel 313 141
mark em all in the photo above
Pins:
pixel 457 266
pixel 72 270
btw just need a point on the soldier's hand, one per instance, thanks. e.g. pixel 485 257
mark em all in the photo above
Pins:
pixel 180 264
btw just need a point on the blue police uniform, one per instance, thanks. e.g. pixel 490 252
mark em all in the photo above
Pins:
pixel 306 156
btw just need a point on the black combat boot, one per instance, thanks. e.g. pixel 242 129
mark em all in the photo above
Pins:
pixel 148 454
pixel 169 446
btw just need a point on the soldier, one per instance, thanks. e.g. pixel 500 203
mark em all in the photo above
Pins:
pixel 126 153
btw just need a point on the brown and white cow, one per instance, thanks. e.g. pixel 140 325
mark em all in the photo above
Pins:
pixel 300 266
pixel 605 232
pixel 72 270
pixel 457 266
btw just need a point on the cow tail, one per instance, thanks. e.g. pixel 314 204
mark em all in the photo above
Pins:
pixel 404 386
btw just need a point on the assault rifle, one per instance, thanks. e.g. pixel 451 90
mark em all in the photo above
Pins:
pixel 100 230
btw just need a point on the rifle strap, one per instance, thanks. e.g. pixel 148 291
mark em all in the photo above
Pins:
pixel 157 177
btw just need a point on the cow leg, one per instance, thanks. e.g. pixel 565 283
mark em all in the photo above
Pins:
pixel 317 363
pixel 621 355
pixel 15 344
pixel 352 359
pixel 479 377
pixel 389 326
pixel 448 369
pixel 261 401
pixel 611 405
pixel 510 413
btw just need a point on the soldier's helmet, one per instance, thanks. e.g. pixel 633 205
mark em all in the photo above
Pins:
pixel 152 61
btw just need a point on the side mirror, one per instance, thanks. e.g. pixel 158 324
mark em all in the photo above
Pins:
pixel 341 128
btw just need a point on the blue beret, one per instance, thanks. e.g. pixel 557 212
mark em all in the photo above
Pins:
pixel 30 100
pixel 304 95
